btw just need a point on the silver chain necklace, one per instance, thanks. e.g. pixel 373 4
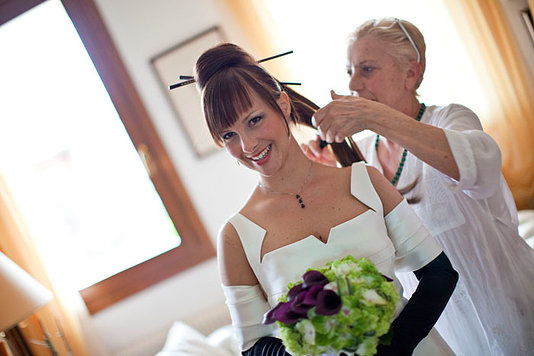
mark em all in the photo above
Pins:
pixel 297 194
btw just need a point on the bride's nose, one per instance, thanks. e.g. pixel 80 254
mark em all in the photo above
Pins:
pixel 248 143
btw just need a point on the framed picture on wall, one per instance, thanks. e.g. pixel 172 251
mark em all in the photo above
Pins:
pixel 185 100
pixel 526 15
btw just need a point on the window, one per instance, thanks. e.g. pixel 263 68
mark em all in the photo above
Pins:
pixel 89 179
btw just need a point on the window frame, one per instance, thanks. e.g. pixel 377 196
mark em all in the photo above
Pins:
pixel 196 245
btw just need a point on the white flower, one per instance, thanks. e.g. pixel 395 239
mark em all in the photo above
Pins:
pixel 372 297
pixel 305 327
pixel 365 346
pixel 331 286
pixel 344 269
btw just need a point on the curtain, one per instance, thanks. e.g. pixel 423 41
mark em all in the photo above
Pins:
pixel 59 319
pixel 509 86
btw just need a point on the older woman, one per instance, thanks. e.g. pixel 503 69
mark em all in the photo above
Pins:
pixel 451 172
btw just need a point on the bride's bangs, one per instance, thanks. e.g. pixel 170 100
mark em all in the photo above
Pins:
pixel 227 97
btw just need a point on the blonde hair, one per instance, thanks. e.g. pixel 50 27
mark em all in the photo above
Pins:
pixel 391 31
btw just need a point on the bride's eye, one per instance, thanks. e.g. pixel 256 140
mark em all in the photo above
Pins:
pixel 228 135
pixel 255 120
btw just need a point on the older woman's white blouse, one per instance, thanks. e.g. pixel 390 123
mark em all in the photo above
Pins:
pixel 475 220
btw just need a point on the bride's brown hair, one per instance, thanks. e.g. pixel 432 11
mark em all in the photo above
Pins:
pixel 226 76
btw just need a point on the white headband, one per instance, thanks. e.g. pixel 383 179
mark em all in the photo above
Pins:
pixel 409 39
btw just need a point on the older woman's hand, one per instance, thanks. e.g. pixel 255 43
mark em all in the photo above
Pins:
pixel 346 115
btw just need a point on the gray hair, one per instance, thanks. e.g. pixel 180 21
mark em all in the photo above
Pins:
pixel 404 41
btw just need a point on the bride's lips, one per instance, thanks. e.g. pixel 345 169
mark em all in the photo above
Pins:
pixel 262 157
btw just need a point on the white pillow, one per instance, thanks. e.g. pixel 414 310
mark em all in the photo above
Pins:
pixel 183 340
pixel 224 338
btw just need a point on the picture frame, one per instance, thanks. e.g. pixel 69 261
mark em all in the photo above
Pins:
pixel 526 15
pixel 185 100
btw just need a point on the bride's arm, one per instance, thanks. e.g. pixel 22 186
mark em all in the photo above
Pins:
pixel 244 297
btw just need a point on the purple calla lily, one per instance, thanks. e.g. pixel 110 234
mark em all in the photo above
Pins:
pixel 298 305
pixel 293 292
pixel 328 303
pixel 286 315
pixel 314 277
pixel 270 317
pixel 311 295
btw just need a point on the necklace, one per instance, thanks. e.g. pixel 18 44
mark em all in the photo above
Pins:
pixel 405 152
pixel 297 194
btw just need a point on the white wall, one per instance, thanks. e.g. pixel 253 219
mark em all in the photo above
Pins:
pixel 142 29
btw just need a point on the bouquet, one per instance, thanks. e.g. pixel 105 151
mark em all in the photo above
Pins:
pixel 344 306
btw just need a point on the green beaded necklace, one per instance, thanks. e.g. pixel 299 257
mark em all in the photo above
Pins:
pixel 405 152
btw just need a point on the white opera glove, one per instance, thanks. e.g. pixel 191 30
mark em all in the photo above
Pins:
pixel 247 306
pixel 414 246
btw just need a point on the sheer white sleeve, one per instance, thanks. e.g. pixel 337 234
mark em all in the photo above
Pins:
pixel 247 306
pixel 477 155
pixel 414 246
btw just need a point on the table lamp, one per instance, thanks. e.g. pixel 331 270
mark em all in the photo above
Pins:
pixel 20 296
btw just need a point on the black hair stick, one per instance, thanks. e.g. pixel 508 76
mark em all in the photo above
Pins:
pixel 174 86
pixel 273 57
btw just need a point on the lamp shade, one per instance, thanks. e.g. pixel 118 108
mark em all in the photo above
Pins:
pixel 20 294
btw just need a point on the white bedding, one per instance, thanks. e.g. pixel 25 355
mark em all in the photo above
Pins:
pixel 184 340
pixel 195 334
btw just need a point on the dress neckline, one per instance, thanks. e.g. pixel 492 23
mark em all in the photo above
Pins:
pixel 361 188
pixel 305 238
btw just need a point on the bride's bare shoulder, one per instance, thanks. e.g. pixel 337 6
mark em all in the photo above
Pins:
pixel 231 258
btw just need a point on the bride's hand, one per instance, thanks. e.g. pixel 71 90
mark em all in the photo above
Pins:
pixel 315 152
